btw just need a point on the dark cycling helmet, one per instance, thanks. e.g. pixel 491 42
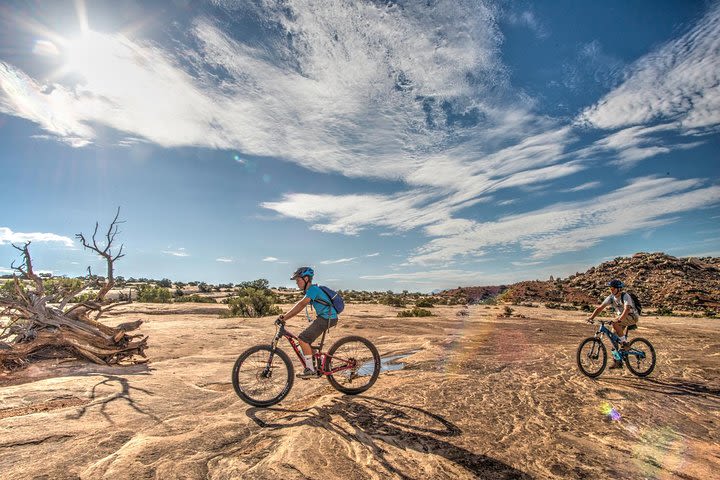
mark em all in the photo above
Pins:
pixel 303 272
pixel 615 283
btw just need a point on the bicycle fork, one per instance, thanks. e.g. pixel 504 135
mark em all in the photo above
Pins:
pixel 267 371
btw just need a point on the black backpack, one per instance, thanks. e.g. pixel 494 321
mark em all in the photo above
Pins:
pixel 636 301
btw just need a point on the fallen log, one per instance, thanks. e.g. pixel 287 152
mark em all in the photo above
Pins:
pixel 37 318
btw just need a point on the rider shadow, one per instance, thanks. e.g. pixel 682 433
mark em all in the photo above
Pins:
pixel 374 420
pixel 672 387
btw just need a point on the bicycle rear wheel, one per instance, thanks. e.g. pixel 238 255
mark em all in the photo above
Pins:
pixel 259 381
pixel 360 363
pixel 591 357
pixel 640 357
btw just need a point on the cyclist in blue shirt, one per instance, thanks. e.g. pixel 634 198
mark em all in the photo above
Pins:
pixel 326 315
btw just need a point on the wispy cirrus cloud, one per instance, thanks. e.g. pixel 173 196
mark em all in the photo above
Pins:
pixel 565 227
pixel 8 236
pixel 528 19
pixel 678 83
pixel 180 252
pixel 339 260
pixel 584 186
pixel 224 260
pixel 415 93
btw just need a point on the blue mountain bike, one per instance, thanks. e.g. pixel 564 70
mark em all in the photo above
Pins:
pixel 638 355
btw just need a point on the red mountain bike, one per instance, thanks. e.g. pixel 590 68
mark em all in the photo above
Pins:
pixel 263 375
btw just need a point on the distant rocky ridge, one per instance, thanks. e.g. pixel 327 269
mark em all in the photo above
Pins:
pixel 660 281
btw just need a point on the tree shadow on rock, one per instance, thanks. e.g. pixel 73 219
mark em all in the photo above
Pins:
pixel 374 421
pixel 122 395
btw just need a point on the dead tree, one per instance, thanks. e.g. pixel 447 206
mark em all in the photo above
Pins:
pixel 38 316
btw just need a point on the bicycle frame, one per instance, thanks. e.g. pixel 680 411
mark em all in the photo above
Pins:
pixel 615 340
pixel 321 359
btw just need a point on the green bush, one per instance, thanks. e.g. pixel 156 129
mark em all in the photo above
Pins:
pixel 8 289
pixel 415 312
pixel 508 311
pixel 424 303
pixel 663 310
pixel 253 301
pixel 84 297
pixel 457 300
pixel 153 294
pixel 393 301
pixel 195 298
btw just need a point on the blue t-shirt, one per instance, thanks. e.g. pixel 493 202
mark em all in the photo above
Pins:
pixel 314 293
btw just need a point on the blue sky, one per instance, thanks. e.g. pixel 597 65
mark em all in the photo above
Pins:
pixel 391 145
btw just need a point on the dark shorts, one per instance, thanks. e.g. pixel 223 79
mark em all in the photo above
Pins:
pixel 315 329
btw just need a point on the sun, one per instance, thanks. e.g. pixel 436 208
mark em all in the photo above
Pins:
pixel 90 55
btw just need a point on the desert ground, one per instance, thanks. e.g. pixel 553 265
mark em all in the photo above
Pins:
pixel 479 396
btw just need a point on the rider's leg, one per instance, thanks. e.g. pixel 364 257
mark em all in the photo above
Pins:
pixel 309 335
pixel 306 348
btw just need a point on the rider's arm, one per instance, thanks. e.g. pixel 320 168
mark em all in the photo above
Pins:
pixel 297 308
pixel 599 309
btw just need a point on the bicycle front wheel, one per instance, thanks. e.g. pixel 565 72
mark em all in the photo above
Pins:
pixel 262 380
pixel 357 362
pixel 640 357
pixel 591 357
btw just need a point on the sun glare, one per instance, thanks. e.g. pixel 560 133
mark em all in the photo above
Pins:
pixel 86 53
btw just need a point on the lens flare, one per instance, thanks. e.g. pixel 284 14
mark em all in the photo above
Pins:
pixel 610 412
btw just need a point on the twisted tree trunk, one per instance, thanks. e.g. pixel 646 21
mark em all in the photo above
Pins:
pixel 33 321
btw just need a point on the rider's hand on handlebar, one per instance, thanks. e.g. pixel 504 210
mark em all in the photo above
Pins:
pixel 590 320
pixel 281 317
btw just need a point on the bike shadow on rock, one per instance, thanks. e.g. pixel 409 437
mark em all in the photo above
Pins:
pixel 673 386
pixel 374 420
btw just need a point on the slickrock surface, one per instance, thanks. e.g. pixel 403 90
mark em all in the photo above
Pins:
pixel 480 396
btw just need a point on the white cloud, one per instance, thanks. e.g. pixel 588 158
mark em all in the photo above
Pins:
pixel 224 260
pixel 584 186
pixel 529 20
pixel 180 252
pixel 564 227
pixel 269 259
pixel 461 276
pixel 8 236
pixel 373 254
pixel 339 260
pixel 678 82
pixel 375 91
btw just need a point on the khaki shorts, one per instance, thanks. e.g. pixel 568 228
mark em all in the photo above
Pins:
pixel 629 320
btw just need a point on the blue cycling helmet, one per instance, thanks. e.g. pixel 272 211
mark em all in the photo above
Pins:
pixel 615 283
pixel 303 272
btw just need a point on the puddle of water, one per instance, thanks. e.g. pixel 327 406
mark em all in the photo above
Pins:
pixel 387 364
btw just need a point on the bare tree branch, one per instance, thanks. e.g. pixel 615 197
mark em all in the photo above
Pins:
pixel 32 322
pixel 105 252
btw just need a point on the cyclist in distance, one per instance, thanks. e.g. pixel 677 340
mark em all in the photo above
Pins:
pixel 326 315
pixel 626 310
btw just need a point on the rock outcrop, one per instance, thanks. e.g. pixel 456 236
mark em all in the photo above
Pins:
pixel 660 281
